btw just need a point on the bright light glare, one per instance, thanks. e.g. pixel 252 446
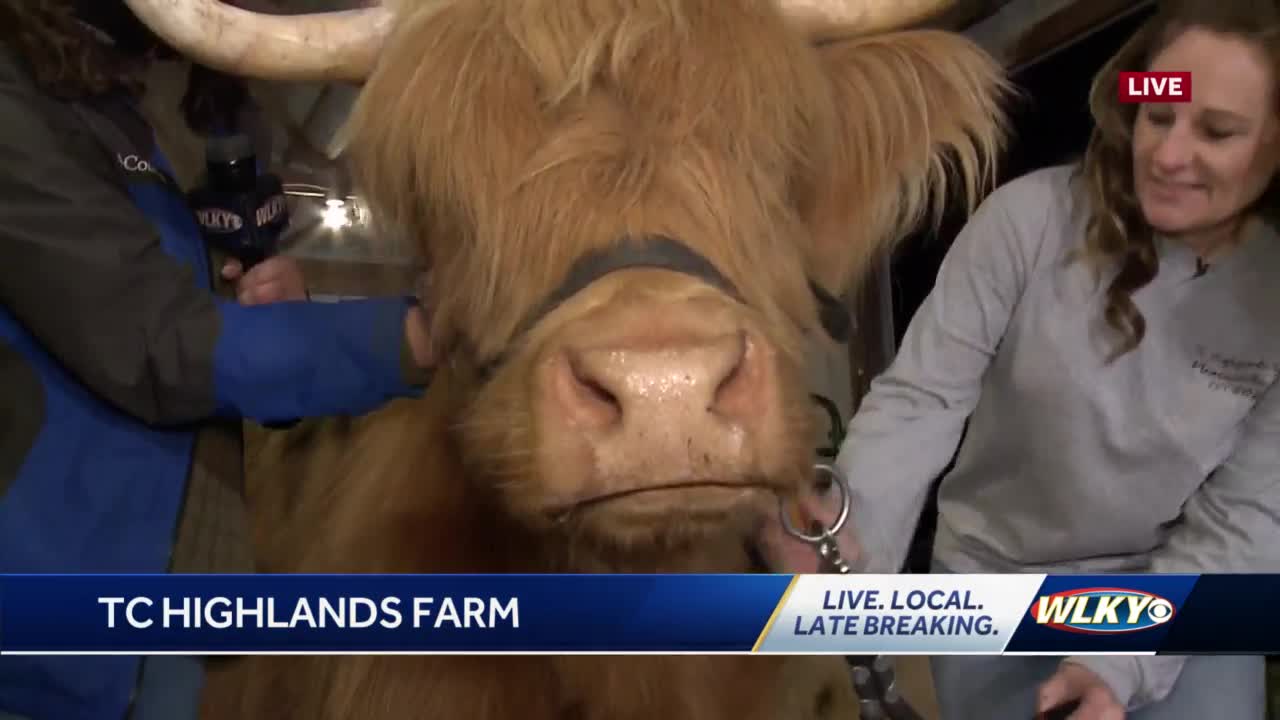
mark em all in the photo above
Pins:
pixel 335 215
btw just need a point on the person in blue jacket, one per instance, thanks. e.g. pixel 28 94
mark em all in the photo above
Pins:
pixel 123 374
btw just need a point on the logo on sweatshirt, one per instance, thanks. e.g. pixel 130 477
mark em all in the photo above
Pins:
pixel 1102 611
pixel 1246 377
pixel 139 168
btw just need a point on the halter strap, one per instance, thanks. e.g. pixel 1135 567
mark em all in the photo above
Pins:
pixel 662 253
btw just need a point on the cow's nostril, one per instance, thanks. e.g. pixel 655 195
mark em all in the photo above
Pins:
pixel 736 390
pixel 599 392
pixel 725 387
pixel 592 385
pixel 583 392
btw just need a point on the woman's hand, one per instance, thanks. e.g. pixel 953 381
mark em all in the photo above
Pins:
pixel 276 279
pixel 1077 682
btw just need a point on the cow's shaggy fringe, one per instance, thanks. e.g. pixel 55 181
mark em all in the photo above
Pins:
pixel 511 136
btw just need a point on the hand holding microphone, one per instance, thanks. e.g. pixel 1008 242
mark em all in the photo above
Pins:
pixel 276 279
pixel 243 214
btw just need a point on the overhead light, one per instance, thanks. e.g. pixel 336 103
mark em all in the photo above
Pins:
pixel 335 215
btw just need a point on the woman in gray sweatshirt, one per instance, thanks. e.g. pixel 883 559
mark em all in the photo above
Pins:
pixel 1111 333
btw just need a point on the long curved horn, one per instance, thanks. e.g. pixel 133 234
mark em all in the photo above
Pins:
pixel 840 18
pixel 341 45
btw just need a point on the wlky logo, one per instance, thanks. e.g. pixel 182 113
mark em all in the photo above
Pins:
pixel 1153 86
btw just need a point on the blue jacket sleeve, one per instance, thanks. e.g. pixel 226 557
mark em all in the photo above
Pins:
pixel 87 275
pixel 274 363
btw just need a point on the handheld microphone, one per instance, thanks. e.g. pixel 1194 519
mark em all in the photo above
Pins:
pixel 241 212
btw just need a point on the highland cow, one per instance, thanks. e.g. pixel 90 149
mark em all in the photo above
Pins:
pixel 634 210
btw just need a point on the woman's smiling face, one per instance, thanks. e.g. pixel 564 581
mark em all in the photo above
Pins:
pixel 1198 164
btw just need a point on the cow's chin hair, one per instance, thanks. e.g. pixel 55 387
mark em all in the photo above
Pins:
pixel 657 530
pixel 667 527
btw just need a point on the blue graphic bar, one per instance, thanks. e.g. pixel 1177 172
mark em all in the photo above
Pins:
pixel 386 613
pixel 551 614
pixel 1227 614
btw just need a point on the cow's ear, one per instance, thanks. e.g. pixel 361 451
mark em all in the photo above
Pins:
pixel 919 121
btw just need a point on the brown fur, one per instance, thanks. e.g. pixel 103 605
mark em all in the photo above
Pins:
pixel 511 137
pixel 407 522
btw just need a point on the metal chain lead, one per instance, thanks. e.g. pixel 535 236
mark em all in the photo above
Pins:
pixel 829 558
pixel 872 676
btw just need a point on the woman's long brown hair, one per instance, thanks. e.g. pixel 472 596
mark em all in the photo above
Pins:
pixel 67 58
pixel 1117 235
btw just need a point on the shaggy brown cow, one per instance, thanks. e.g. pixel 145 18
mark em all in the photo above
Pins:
pixel 627 204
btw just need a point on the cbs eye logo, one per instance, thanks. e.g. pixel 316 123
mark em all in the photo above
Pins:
pixel 1102 611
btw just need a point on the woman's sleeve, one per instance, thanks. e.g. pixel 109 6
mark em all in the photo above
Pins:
pixel 83 271
pixel 909 424
pixel 1231 524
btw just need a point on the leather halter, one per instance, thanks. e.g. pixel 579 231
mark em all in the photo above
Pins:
pixel 664 253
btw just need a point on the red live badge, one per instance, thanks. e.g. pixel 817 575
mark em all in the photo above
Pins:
pixel 1154 86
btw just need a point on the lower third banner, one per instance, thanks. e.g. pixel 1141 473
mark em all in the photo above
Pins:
pixel 634 614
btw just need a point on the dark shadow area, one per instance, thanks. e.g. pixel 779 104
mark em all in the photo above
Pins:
pixel 1051 125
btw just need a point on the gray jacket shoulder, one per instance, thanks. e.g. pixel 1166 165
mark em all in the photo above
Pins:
pixel 1045 210
pixel 1054 189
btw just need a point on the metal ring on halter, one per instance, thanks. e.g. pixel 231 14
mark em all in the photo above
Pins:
pixel 845 503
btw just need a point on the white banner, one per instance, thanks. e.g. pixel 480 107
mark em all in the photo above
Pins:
pixel 899 614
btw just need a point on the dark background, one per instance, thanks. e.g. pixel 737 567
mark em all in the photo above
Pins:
pixel 1051 126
